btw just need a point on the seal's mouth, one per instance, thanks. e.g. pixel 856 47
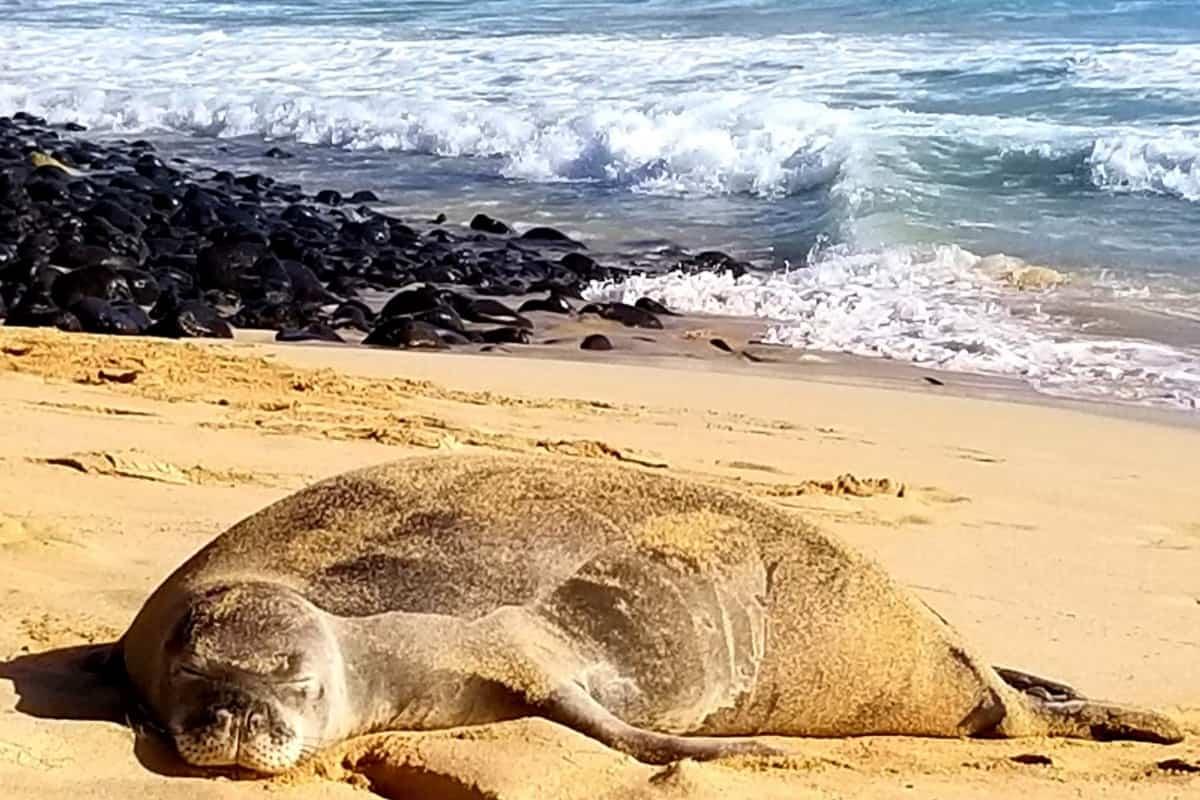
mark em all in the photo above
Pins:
pixel 252 739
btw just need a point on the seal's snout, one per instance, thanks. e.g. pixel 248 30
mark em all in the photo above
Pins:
pixel 240 733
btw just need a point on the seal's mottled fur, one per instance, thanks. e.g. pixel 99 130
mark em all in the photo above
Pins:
pixel 658 615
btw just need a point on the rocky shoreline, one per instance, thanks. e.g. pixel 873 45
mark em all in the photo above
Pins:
pixel 112 238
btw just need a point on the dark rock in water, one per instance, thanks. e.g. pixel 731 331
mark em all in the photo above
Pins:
pixel 192 319
pixel 276 152
pixel 486 224
pixel 583 266
pixel 254 182
pixel 439 219
pixel 313 332
pixel 596 341
pixel 414 301
pixel 506 335
pixel 98 316
pixel 221 265
pixel 488 311
pixel 627 315
pixel 714 261
pixel 100 282
pixel 364 196
pixel 555 304
pixel 544 234
pixel 329 197
pixel 405 332
pixel 654 307
pixel 352 315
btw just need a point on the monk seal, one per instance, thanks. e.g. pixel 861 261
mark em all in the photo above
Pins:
pixel 665 618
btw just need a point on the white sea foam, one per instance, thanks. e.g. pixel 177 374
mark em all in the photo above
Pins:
pixel 716 115
pixel 932 306
pixel 1168 164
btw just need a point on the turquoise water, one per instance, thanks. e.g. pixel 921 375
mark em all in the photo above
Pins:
pixel 1066 133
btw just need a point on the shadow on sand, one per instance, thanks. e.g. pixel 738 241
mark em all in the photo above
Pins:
pixel 83 683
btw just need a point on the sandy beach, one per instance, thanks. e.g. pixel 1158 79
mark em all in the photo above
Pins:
pixel 1059 538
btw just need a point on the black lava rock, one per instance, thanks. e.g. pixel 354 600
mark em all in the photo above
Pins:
pixel 595 341
pixel 98 316
pixel 506 335
pixel 192 319
pixel 555 304
pixel 488 311
pixel 313 332
pixel 654 307
pixel 627 315
pixel 486 224
pixel 405 333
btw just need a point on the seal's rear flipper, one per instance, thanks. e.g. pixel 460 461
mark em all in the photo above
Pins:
pixel 1064 711
pixel 1038 686
pixel 1105 722
pixel 574 707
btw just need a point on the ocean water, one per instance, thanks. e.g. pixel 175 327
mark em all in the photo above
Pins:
pixel 865 154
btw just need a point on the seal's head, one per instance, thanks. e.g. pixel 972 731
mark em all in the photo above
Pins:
pixel 252 676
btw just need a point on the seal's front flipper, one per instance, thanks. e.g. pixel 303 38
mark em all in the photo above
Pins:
pixel 574 707
pixel 1105 722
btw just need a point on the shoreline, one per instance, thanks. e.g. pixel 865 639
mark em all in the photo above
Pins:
pixel 224 252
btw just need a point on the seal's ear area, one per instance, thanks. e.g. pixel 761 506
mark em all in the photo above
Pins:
pixel 181 631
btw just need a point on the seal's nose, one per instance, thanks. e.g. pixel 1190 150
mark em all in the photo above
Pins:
pixel 256 723
pixel 223 722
